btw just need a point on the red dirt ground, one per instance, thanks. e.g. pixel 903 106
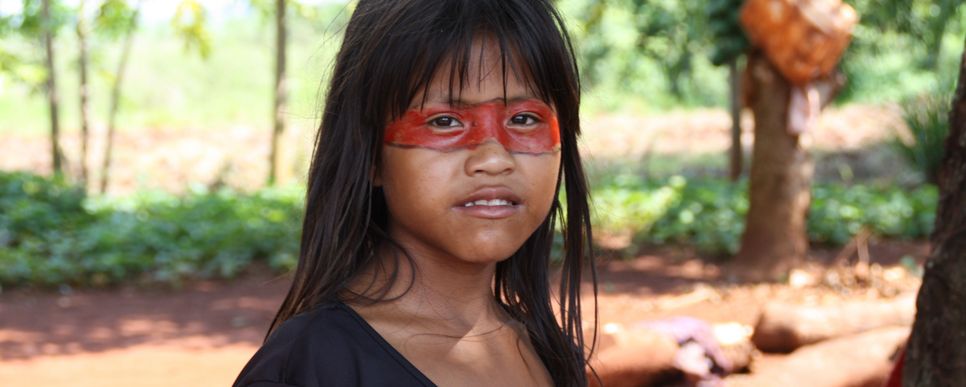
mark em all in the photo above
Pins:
pixel 202 334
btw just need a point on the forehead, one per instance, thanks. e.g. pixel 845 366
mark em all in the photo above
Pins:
pixel 484 71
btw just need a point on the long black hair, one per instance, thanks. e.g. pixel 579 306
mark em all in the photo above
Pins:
pixel 391 51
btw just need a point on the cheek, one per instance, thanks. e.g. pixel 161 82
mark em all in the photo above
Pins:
pixel 543 173
pixel 408 175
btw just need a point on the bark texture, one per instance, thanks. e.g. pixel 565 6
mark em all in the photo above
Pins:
pixel 281 90
pixel 736 154
pixel 936 355
pixel 53 101
pixel 775 238
pixel 116 97
pixel 83 90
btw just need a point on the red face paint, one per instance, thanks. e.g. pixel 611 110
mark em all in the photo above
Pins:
pixel 528 126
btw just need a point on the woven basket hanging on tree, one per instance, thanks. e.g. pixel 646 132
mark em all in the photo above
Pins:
pixel 803 38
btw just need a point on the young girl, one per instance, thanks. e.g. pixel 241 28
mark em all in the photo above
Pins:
pixel 449 131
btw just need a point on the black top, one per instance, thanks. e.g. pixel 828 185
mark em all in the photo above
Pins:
pixel 330 345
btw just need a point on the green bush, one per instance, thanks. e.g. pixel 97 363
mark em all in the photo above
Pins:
pixel 710 214
pixel 927 118
pixel 50 234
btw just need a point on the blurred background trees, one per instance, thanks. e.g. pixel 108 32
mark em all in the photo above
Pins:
pixel 201 66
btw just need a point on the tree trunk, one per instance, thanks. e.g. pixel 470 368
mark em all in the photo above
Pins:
pixel 83 90
pixel 116 98
pixel 936 355
pixel 736 153
pixel 280 90
pixel 52 98
pixel 775 238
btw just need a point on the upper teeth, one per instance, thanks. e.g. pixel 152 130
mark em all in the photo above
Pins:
pixel 494 202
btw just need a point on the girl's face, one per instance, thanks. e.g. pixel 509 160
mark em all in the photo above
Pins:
pixel 470 181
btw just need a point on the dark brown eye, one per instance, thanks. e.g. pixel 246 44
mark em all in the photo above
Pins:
pixel 524 119
pixel 444 122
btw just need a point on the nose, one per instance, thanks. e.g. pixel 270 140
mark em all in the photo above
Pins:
pixel 490 158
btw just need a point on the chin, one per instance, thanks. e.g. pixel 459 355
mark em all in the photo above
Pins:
pixel 490 252
pixel 487 257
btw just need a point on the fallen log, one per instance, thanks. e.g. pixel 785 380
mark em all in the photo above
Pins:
pixel 861 360
pixel 782 328
pixel 669 352
pixel 641 357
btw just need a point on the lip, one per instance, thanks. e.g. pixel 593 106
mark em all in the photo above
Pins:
pixel 490 193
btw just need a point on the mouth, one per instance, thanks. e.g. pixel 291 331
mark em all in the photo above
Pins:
pixel 490 203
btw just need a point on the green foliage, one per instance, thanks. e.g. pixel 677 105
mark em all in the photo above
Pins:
pixel 51 234
pixel 927 118
pixel 661 54
pixel 648 48
pixel 115 18
pixel 190 24
pixel 710 214
pixel 924 21
pixel 19 62
pixel 837 212
pixel 902 48
pixel 627 204
pixel 725 28
pixel 31 21
pixel 167 87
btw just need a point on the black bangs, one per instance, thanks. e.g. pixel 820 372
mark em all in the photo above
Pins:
pixel 425 38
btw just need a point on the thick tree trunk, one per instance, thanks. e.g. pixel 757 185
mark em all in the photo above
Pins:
pixel 52 97
pixel 281 93
pixel 116 98
pixel 83 90
pixel 775 238
pixel 936 355
pixel 736 153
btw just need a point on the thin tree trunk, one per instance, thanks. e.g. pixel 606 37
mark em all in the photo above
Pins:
pixel 52 97
pixel 280 90
pixel 736 151
pixel 775 238
pixel 936 355
pixel 84 92
pixel 116 98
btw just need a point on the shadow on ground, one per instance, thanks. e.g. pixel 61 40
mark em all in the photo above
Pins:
pixel 204 314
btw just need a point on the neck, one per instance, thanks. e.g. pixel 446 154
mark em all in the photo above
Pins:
pixel 444 294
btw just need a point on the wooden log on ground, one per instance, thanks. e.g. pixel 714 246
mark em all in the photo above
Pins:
pixel 633 358
pixel 862 360
pixel 643 355
pixel 782 327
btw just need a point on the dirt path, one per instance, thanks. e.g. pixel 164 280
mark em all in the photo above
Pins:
pixel 198 336
pixel 203 334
